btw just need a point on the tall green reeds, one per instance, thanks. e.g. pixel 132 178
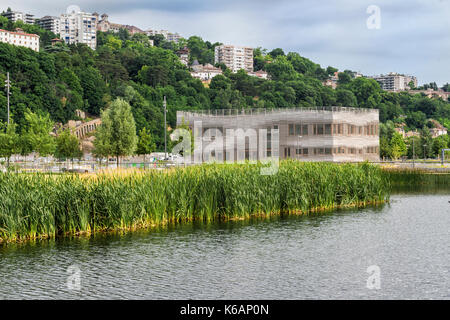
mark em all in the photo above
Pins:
pixel 38 205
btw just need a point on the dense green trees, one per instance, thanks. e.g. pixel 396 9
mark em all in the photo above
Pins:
pixel 58 80
pixel 116 135
pixel 67 146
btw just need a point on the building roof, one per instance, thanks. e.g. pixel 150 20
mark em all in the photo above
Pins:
pixel 20 33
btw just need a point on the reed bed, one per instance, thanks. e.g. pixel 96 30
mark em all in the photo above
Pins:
pixel 42 206
pixel 405 177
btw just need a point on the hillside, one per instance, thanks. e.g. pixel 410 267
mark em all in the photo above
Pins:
pixel 61 79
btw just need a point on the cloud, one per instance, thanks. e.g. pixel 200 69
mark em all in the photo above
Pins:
pixel 414 37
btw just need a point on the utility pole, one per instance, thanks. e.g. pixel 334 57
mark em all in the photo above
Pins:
pixel 7 85
pixel 413 152
pixel 165 128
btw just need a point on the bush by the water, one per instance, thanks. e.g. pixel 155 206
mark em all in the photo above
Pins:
pixel 39 205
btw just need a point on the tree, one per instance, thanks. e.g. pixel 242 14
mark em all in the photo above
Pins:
pixel 117 133
pixel 9 140
pixel 37 134
pixel 426 142
pixel 67 145
pixel 438 144
pixel 145 143
pixel 397 146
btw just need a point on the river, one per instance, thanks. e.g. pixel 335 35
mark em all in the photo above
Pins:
pixel 403 247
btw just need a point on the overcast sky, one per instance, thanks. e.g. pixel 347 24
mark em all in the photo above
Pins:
pixel 413 38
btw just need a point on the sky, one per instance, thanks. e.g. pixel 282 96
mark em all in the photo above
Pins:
pixel 408 36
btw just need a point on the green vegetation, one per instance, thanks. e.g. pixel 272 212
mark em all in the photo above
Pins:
pixel 117 133
pixel 417 178
pixel 37 205
pixel 67 146
pixel 60 79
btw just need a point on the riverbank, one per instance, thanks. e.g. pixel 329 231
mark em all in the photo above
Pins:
pixel 46 206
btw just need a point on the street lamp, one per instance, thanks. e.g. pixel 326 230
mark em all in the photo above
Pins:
pixel 8 86
pixel 165 128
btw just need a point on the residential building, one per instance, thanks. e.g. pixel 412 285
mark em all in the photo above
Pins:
pixel 259 74
pixel 431 93
pixel 183 54
pixel 234 57
pixel 169 36
pixel 105 25
pixel 394 81
pixel 438 129
pixel 20 38
pixel 204 72
pixel 79 27
pixel 306 134
pixel 15 16
pixel 50 23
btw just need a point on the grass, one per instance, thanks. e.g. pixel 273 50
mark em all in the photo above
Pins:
pixel 45 206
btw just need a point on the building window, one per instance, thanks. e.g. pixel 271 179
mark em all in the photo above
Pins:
pixel 298 151
pixel 327 128
pixel 287 152
pixel 291 129
pixel 305 151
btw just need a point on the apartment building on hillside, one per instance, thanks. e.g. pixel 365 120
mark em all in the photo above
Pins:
pixel 15 16
pixel 234 57
pixel 394 81
pixel 20 38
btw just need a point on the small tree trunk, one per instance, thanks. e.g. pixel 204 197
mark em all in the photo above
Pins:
pixel 117 162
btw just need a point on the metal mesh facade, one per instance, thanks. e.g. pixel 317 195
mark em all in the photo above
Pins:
pixel 307 134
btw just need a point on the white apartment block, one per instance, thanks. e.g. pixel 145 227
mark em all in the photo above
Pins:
pixel 234 57
pixel 15 16
pixel 204 72
pixel 79 27
pixel 50 23
pixel 20 38
pixel 169 36
pixel 394 81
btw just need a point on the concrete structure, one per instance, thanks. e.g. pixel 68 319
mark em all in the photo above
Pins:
pixel 204 72
pixel 20 38
pixel 50 23
pixel 234 57
pixel 307 134
pixel 169 36
pixel 81 129
pixel 15 16
pixel 394 81
pixel 79 27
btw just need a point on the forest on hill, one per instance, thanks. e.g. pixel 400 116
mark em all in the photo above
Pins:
pixel 60 79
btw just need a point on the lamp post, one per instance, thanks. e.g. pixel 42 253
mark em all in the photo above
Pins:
pixel 413 152
pixel 8 86
pixel 165 128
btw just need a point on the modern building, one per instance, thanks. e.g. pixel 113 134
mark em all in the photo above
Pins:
pixel 169 36
pixel 15 16
pixel 79 27
pixel 50 23
pixel 234 57
pixel 306 134
pixel 394 81
pixel 20 38
pixel 204 72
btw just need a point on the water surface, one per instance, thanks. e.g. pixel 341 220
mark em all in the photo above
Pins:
pixel 322 256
